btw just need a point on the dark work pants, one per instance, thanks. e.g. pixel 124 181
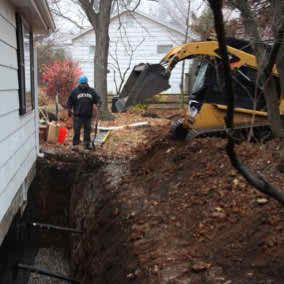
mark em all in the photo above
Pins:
pixel 78 122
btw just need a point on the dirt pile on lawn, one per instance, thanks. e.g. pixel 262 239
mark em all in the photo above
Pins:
pixel 178 213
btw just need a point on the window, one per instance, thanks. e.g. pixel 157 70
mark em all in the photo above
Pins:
pixel 25 66
pixel 200 77
pixel 164 48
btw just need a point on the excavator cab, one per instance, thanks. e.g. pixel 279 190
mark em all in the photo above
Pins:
pixel 208 86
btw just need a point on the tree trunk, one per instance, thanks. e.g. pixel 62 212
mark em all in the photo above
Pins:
pixel 100 70
pixel 101 56
pixel 272 103
pixel 279 13
pixel 278 7
pixel 100 22
pixel 270 92
pixel 183 63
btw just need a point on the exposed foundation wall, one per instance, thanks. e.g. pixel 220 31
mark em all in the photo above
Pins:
pixel 18 204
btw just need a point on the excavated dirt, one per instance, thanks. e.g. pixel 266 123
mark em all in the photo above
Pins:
pixel 175 212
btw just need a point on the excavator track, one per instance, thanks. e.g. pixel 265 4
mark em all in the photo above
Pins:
pixel 178 131
pixel 261 133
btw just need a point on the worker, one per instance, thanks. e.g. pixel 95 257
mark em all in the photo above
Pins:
pixel 82 104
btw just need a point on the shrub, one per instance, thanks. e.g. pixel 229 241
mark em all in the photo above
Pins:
pixel 61 77
pixel 47 54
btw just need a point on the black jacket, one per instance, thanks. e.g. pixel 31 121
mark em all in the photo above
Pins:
pixel 82 101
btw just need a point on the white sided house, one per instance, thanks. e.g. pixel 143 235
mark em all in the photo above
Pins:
pixel 134 38
pixel 19 145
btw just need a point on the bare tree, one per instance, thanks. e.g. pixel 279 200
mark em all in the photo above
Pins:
pixel 265 81
pixel 257 181
pixel 186 37
pixel 202 25
pixel 98 13
pixel 262 13
pixel 116 65
pixel 176 12
pixel 278 7
pixel 68 11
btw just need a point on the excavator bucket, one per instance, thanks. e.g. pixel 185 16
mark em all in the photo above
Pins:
pixel 145 81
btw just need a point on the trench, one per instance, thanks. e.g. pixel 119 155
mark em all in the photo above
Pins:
pixel 67 193
pixel 140 221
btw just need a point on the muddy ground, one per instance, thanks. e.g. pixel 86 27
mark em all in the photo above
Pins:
pixel 155 210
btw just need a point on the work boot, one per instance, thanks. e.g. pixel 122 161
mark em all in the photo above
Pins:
pixel 88 146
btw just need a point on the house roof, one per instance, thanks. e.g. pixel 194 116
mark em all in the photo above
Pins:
pixel 151 18
pixel 36 13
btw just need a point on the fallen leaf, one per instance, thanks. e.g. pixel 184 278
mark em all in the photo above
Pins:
pixel 200 266
pixel 261 201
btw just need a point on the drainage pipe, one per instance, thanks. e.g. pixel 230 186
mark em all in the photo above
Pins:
pixel 45 272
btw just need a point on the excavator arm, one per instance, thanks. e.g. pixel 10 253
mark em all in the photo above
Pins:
pixel 237 57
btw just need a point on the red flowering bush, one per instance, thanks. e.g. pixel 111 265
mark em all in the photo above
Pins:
pixel 61 77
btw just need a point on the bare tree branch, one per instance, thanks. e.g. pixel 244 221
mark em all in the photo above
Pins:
pixel 270 91
pixel 57 12
pixel 274 52
pixel 118 13
pixel 187 24
pixel 115 57
pixel 135 8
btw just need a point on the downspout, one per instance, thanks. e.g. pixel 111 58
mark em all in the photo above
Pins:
pixel 39 154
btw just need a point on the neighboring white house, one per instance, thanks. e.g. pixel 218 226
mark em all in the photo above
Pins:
pixel 134 38
pixel 19 146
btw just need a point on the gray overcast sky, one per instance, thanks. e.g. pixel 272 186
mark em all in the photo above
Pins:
pixel 152 5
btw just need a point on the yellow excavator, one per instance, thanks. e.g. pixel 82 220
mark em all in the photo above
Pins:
pixel 206 108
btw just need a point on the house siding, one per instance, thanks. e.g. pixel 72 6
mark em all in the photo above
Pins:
pixel 18 135
pixel 138 33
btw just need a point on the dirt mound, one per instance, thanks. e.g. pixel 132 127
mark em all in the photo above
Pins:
pixel 179 213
